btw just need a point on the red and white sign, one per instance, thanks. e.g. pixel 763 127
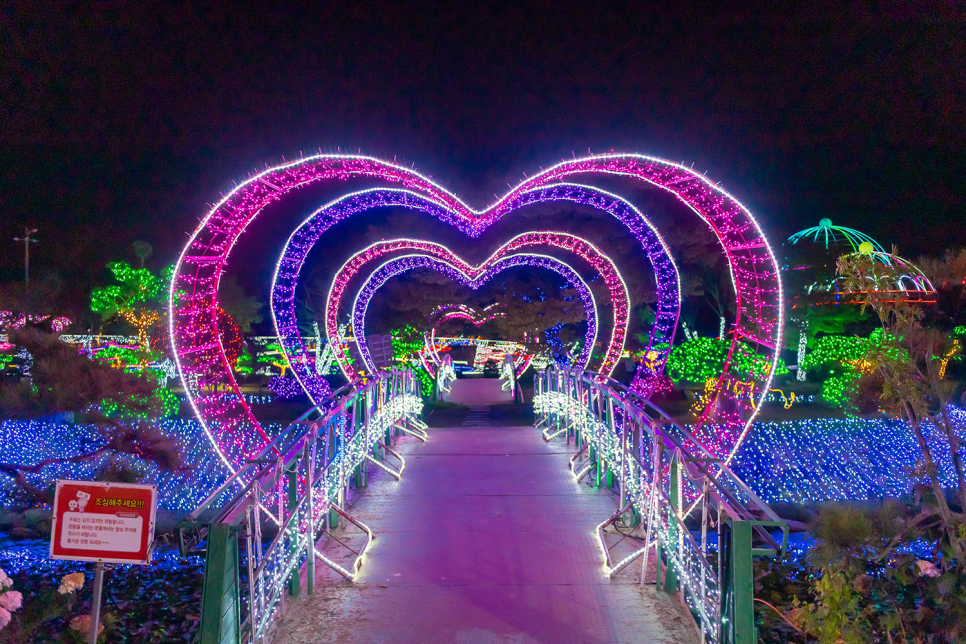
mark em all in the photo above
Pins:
pixel 110 522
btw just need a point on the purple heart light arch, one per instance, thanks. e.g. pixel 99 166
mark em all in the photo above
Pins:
pixel 304 238
pixel 473 276
pixel 528 242
pixel 206 374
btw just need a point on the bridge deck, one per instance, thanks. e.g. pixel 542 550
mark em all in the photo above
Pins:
pixel 478 391
pixel 486 539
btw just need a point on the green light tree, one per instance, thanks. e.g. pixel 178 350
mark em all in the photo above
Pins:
pixel 129 299
pixel 698 359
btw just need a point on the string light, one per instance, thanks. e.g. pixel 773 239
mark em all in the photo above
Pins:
pixel 829 233
pixel 700 358
pixel 193 288
pixel 472 277
pixel 588 252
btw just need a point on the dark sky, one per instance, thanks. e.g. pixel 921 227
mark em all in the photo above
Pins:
pixel 121 121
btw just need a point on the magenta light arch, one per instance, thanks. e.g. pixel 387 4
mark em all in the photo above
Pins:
pixel 307 234
pixel 604 266
pixel 207 377
pixel 467 273
pixel 472 276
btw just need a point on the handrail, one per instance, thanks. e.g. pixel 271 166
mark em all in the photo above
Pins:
pixel 444 375
pixel 724 469
pixel 300 481
pixel 508 372
pixel 666 476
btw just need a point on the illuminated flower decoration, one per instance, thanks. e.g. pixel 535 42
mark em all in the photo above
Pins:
pixel 70 583
pixel 82 624
pixel 827 234
pixel 928 569
pixel 886 277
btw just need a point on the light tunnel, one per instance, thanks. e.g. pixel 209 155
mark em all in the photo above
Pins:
pixel 206 374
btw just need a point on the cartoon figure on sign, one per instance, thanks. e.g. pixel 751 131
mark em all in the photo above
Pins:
pixel 81 502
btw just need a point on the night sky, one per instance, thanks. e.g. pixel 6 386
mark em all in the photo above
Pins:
pixel 121 121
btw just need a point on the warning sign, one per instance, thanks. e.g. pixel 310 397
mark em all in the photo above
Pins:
pixel 110 522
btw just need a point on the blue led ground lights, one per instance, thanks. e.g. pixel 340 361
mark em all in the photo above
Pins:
pixel 828 459
pixel 30 442
pixel 820 459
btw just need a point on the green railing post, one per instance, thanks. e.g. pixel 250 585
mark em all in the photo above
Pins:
pixel 220 597
pixel 739 592
pixel 671 581
pixel 294 582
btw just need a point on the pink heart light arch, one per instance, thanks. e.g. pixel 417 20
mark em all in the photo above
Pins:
pixel 312 228
pixel 206 374
pixel 520 244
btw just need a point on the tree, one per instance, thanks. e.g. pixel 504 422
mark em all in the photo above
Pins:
pixel 142 250
pixel 244 310
pixel 116 403
pixel 907 357
pixel 129 298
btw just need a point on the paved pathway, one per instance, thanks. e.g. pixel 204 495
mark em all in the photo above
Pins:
pixel 478 391
pixel 487 539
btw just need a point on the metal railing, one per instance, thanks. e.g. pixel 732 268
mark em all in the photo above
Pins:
pixel 674 488
pixel 508 373
pixel 445 374
pixel 299 483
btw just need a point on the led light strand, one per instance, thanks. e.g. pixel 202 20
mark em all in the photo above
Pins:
pixel 194 283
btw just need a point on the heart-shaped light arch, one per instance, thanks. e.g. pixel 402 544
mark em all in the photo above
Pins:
pixel 304 238
pixel 474 277
pixel 604 266
pixel 227 419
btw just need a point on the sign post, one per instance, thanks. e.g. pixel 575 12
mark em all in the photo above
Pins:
pixel 104 523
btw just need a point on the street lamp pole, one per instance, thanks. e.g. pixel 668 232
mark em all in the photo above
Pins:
pixel 27 240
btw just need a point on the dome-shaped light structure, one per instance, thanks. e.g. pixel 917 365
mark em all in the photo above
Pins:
pixel 885 274
pixel 828 234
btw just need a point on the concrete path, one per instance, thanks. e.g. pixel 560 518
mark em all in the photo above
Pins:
pixel 478 391
pixel 487 539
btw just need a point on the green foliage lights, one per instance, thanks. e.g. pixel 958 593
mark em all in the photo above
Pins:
pixel 697 360
pixel 167 399
pixel 245 363
pixel 701 358
pixel 841 355
pixel 845 359
pixel 274 356
pixel 406 345
pixel 138 285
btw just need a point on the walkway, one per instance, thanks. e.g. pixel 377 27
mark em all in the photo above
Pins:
pixel 478 391
pixel 487 539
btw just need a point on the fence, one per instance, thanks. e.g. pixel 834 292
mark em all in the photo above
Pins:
pixel 673 485
pixel 299 483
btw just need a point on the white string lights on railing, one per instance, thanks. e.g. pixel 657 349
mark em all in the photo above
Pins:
pixel 604 423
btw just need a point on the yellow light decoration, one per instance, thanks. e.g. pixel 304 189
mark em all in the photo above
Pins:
pixel 945 359
pixel 142 319
pixel 788 400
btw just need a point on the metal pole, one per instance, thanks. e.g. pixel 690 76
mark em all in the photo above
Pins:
pixel 27 240
pixel 96 605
